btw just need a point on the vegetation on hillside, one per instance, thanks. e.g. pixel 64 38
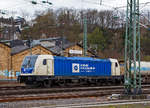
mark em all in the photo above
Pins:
pixel 105 29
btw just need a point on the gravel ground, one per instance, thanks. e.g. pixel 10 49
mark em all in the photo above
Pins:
pixel 127 106
pixel 52 103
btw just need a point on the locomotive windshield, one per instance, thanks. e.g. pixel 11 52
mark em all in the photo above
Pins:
pixel 29 61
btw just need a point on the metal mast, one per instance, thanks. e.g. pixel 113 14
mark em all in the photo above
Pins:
pixel 85 36
pixel 132 48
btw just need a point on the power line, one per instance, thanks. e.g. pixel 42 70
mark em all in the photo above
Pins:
pixel 6 11
pixel 104 4
pixel 38 3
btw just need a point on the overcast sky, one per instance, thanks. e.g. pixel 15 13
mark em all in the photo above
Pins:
pixel 25 5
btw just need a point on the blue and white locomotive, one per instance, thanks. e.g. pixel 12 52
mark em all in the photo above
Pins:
pixel 49 70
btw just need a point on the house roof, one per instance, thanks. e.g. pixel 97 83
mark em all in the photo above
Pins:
pixel 4 44
pixel 56 50
pixel 15 43
pixel 88 50
pixel 18 46
pixel 17 49
pixel 67 45
pixel 50 39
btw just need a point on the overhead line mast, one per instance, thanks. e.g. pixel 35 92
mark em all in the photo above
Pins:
pixel 132 48
pixel 85 35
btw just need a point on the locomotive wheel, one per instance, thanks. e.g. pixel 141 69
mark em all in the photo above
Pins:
pixel 47 83
pixel 62 83
pixel 38 84
pixel 34 85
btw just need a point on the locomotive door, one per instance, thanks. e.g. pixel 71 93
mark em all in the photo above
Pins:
pixel 113 68
pixel 49 67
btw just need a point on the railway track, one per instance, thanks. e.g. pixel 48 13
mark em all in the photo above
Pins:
pixel 23 90
pixel 28 91
pixel 61 93
pixel 47 96
pixel 14 87
pixel 23 87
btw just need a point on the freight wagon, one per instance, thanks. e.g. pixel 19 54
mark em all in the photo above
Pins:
pixel 48 70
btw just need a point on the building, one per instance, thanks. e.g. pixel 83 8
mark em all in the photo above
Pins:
pixel 19 52
pixel 13 53
pixel 76 50
pixel 5 59
pixel 11 28
pixel 11 58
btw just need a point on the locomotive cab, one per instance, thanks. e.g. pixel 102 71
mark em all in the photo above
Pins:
pixel 37 65
pixel 44 65
pixel 115 67
pixel 36 68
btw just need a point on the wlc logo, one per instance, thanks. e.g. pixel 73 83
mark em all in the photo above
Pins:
pixel 75 68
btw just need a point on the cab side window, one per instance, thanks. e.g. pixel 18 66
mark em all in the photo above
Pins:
pixel 44 62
